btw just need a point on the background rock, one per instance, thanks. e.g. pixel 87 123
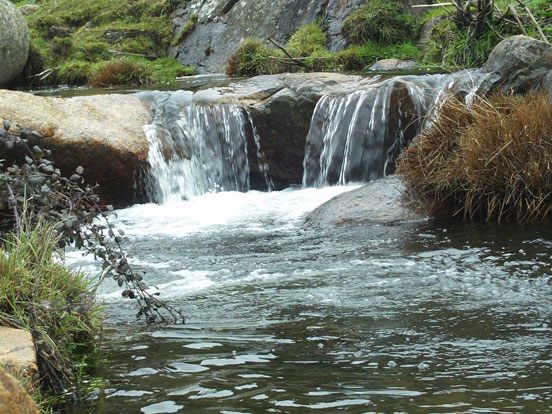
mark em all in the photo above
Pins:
pixel 222 24
pixel 14 42
pixel 516 64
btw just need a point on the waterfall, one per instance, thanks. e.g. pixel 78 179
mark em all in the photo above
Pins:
pixel 357 136
pixel 195 149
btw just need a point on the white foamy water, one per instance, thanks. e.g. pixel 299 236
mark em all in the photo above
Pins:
pixel 211 212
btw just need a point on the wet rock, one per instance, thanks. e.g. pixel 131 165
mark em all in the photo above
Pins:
pixel 394 64
pixel 102 133
pixel 17 352
pixel 13 397
pixel 378 202
pixel 14 42
pixel 516 64
pixel 281 107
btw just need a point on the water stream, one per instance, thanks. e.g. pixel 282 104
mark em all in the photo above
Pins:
pixel 282 318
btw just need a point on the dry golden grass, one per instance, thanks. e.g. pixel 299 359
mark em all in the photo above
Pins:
pixel 489 161
pixel 120 71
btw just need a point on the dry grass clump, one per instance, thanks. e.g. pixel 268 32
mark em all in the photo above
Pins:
pixel 489 161
pixel 120 71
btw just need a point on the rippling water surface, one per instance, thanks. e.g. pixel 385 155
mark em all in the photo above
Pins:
pixel 417 318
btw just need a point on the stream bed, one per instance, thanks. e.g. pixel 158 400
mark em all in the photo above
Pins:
pixel 281 318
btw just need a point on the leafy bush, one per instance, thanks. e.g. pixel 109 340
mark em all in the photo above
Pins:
pixel 379 21
pixel 120 71
pixel 489 161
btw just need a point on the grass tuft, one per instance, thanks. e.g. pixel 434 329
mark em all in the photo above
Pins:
pixel 120 71
pixel 383 22
pixel 55 304
pixel 489 161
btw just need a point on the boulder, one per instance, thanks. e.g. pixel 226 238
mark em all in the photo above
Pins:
pixel 516 64
pixel 102 133
pixel 14 42
pixel 385 65
pixel 378 202
pixel 426 31
pixel 13 397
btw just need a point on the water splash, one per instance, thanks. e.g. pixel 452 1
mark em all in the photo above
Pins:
pixel 195 149
pixel 358 136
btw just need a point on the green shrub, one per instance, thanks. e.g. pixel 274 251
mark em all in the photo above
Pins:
pixel 74 72
pixel 489 161
pixel 379 21
pixel 307 40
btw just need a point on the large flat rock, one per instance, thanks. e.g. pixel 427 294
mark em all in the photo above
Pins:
pixel 378 202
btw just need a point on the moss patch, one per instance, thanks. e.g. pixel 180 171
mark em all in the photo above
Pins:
pixel 67 31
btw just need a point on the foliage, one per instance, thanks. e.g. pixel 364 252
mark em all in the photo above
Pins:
pixel 31 187
pixel 307 40
pixel 94 31
pixel 120 71
pixel 379 21
pixel 488 161
pixel 252 59
pixel 74 72
pixel 470 46
pixel 168 68
pixel 55 304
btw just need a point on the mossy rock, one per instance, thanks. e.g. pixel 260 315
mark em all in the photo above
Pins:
pixel 14 42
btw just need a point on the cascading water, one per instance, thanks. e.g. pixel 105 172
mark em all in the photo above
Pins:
pixel 357 137
pixel 197 148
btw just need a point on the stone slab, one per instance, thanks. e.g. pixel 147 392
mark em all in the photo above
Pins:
pixel 17 351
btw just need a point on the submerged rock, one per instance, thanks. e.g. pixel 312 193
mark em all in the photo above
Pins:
pixel 378 202
pixel 102 133
pixel 14 42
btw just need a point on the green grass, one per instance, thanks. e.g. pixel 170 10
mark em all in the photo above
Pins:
pixel 68 31
pixel 57 305
pixel 378 21
pixel 454 48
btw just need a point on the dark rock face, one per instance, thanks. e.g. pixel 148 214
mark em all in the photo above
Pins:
pixel 378 202
pixel 14 42
pixel 516 64
pixel 222 24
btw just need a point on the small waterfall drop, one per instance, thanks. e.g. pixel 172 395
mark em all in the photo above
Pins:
pixel 358 136
pixel 197 148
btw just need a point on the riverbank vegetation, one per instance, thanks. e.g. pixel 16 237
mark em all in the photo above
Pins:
pixel 41 212
pixel 72 42
pixel 444 37
pixel 487 161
